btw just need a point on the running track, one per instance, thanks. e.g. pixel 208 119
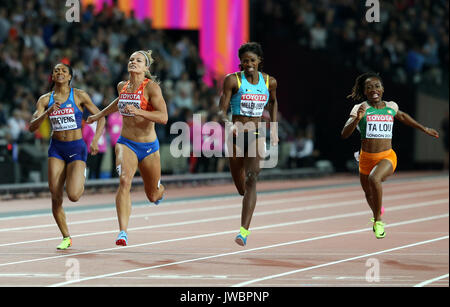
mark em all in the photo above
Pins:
pixel 305 233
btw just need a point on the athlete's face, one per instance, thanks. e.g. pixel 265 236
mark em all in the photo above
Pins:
pixel 61 74
pixel 137 63
pixel 250 62
pixel 373 89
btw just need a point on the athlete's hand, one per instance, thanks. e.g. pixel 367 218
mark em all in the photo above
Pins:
pixel 92 118
pixel 55 106
pixel 94 148
pixel 432 132
pixel 132 110
pixel 361 111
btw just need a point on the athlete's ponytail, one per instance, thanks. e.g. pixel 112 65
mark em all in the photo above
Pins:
pixel 148 62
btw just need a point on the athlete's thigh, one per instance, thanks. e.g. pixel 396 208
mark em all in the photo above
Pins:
pixel 76 176
pixel 126 161
pixel 150 170
pixel 382 170
pixel 56 175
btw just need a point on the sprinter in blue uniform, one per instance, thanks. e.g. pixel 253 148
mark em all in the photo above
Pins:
pixel 249 92
pixel 67 152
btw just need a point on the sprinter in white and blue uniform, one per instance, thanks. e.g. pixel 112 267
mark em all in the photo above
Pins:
pixel 67 152
pixel 248 92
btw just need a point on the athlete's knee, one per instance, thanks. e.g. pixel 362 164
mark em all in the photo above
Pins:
pixel 374 179
pixel 75 195
pixel 125 182
pixel 251 178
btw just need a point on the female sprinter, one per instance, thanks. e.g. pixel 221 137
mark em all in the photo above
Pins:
pixel 142 105
pixel 67 152
pixel 374 119
pixel 249 92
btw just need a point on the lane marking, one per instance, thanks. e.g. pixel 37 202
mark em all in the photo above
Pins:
pixel 278 211
pixel 427 282
pixel 196 199
pixel 236 205
pixel 338 262
pixel 260 248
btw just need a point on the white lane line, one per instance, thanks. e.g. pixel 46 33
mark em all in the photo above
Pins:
pixel 392 186
pixel 203 236
pixel 246 283
pixel 247 251
pixel 263 203
pixel 427 282
pixel 231 206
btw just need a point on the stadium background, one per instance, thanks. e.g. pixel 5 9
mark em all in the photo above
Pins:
pixel 315 50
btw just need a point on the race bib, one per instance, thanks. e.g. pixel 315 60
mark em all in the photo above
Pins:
pixel 253 104
pixel 379 126
pixel 128 99
pixel 63 119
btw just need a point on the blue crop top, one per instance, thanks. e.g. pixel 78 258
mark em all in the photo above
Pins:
pixel 250 99
pixel 68 116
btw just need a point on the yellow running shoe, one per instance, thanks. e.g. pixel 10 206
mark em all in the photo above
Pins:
pixel 65 244
pixel 378 229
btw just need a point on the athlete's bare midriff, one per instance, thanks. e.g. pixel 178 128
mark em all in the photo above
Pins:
pixel 244 120
pixel 67 135
pixel 138 129
pixel 376 145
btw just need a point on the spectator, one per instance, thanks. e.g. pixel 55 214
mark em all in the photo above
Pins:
pixel 17 125
pixel 301 152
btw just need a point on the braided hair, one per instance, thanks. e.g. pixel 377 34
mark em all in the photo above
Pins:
pixel 357 93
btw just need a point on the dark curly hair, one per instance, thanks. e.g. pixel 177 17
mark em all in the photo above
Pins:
pixel 253 47
pixel 357 93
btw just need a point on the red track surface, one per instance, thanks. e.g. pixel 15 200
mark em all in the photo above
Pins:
pixel 304 233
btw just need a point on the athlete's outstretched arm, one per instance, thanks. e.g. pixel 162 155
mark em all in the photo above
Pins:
pixel 406 119
pixel 111 108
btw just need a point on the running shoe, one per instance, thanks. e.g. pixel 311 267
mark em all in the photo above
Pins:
pixel 65 244
pixel 122 238
pixel 158 201
pixel 378 229
pixel 241 238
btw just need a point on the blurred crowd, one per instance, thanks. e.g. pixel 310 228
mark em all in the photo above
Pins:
pixel 409 44
pixel 34 36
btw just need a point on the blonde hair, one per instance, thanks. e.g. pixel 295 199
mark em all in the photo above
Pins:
pixel 148 62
